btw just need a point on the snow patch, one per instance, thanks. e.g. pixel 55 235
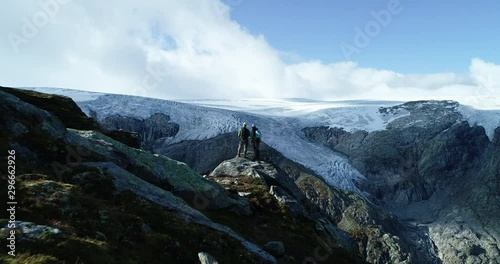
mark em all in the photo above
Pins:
pixel 489 119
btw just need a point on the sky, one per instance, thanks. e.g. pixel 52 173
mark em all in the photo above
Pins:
pixel 200 49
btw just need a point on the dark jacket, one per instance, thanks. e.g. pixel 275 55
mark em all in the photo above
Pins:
pixel 243 134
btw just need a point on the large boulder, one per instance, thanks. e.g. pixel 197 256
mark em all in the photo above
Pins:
pixel 267 172
pixel 281 186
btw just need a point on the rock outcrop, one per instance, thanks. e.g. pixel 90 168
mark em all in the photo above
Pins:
pixel 277 182
pixel 272 192
pixel 380 236
pixel 152 130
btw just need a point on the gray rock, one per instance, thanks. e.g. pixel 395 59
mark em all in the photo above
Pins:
pixel 380 237
pixel 267 172
pixel 156 127
pixel 126 181
pixel 335 235
pixel 202 155
pixel 32 231
pixel 206 258
pixel 431 169
pixel 17 116
pixel 276 248
pixel 287 200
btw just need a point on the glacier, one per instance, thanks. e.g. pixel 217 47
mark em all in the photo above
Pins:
pixel 280 120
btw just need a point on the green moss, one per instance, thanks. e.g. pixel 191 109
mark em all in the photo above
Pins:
pixel 159 170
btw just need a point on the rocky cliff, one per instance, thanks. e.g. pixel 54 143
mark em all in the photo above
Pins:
pixel 433 169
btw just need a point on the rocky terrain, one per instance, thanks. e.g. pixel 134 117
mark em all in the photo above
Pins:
pixel 376 233
pixel 433 169
pixel 87 198
pixel 422 190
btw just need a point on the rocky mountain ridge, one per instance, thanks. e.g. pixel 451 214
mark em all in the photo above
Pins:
pixel 433 169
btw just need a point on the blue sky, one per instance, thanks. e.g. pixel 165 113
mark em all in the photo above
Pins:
pixel 226 49
pixel 426 37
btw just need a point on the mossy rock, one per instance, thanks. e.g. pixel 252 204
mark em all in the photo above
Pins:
pixel 61 106
pixel 161 171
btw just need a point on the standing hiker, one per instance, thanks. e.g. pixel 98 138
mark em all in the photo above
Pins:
pixel 243 134
pixel 255 136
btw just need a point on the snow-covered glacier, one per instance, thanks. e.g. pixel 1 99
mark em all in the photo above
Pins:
pixel 280 120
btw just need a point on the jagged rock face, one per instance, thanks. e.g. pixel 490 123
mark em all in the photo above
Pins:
pixel 380 236
pixel 406 165
pixel 434 115
pixel 323 135
pixel 468 229
pixel 496 139
pixel 432 169
pixel 152 130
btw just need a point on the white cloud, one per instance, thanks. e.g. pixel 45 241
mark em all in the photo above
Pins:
pixel 192 49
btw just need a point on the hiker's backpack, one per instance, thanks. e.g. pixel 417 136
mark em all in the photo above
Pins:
pixel 257 134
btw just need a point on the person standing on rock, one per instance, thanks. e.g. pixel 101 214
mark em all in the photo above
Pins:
pixel 255 136
pixel 243 134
